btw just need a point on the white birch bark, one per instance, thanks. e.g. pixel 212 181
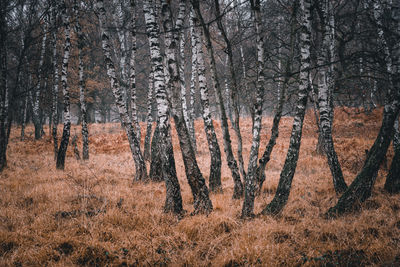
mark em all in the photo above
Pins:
pixel 36 99
pixel 82 100
pixel 193 82
pixel 140 165
pixel 173 201
pixel 132 78
pixel 213 146
pixel 62 151
pixel 250 180
pixel 149 117
pixel 289 167
pixel 54 106
pixel 202 202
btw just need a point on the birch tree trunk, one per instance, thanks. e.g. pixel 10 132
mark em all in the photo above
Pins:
pixel 202 202
pixel 361 188
pixel 282 86
pixel 213 146
pixel 250 180
pixel 140 165
pixel 132 77
pixel 82 100
pixel 149 118
pixel 62 151
pixel 193 81
pixel 325 95
pixel 54 106
pixel 232 163
pixel 289 167
pixel 36 104
pixel 173 201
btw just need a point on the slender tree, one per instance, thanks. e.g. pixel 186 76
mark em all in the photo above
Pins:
pixel 173 201
pixel 289 167
pixel 202 202
pixel 62 151
pixel 250 180
pixel 82 100
pixel 132 77
pixel 149 118
pixel 213 146
pixel 140 165
pixel 54 107
pixel 282 86
pixel 4 94
pixel 325 96
pixel 36 99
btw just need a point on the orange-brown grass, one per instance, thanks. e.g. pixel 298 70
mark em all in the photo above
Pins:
pixel 92 213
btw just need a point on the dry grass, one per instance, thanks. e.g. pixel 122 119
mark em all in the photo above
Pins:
pixel 93 214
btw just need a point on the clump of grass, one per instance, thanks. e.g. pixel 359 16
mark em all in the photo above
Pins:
pixel 93 214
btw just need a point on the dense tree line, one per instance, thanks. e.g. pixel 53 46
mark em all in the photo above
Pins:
pixel 157 60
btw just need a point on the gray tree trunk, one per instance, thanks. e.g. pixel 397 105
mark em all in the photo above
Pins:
pixel 282 86
pixel 250 180
pixel 213 146
pixel 392 184
pixel 325 95
pixel 173 201
pixel 361 188
pixel 82 100
pixel 36 99
pixel 4 94
pixel 232 163
pixel 289 167
pixel 193 82
pixel 62 151
pixel 140 165
pixel 202 202
pixel 54 106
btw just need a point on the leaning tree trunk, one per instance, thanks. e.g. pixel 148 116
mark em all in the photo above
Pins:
pixel 250 179
pixel 140 165
pixel 54 105
pixel 232 163
pixel 325 95
pixel 392 184
pixel 132 77
pixel 82 101
pixel 282 86
pixel 62 151
pixel 213 146
pixel 173 201
pixel 361 188
pixel 202 202
pixel 289 167
pixel 36 100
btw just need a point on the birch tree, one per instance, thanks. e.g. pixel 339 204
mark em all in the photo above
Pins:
pixel 54 107
pixel 213 146
pixel 149 117
pixel 132 78
pixel 62 150
pixel 282 87
pixel 82 100
pixel 36 96
pixel 140 165
pixel 325 96
pixel 173 202
pixel 286 177
pixel 232 163
pixel 250 180
pixel 202 202
pixel 361 188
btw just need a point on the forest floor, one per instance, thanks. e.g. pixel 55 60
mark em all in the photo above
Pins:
pixel 92 213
